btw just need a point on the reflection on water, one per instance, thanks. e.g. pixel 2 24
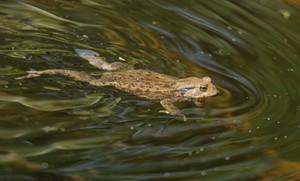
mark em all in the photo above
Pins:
pixel 58 128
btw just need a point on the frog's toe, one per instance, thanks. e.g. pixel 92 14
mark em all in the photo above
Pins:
pixel 171 112
pixel 164 111
pixel 174 114
pixel 31 73
pixel 184 117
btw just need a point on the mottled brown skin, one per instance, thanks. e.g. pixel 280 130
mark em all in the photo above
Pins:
pixel 143 83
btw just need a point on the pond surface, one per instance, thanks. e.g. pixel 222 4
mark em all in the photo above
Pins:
pixel 57 128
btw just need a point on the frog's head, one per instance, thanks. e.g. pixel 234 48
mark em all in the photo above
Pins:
pixel 198 88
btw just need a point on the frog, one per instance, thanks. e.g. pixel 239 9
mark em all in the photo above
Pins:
pixel 140 82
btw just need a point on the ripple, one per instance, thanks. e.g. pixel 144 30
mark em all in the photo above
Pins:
pixel 248 48
pixel 51 105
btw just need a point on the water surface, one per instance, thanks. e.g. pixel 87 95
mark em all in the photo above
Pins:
pixel 57 128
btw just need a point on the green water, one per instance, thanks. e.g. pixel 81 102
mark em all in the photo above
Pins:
pixel 56 128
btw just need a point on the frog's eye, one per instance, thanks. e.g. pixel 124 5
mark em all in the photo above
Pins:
pixel 203 88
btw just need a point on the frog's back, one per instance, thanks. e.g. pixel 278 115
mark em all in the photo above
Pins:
pixel 143 83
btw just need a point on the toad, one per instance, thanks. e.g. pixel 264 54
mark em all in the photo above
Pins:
pixel 142 83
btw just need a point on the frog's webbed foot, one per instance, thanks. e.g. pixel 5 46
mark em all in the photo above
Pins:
pixel 178 114
pixel 171 108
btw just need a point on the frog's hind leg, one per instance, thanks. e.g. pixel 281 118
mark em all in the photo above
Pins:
pixel 94 59
pixel 70 73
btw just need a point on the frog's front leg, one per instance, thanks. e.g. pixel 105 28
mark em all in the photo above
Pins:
pixel 70 73
pixel 199 101
pixel 171 108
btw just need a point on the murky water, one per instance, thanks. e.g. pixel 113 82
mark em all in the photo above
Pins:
pixel 56 128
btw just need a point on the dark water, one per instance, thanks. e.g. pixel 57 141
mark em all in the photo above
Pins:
pixel 56 128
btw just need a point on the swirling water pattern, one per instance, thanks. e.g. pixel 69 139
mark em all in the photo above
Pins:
pixel 57 128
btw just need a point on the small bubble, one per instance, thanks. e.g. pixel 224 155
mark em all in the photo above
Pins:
pixel 221 52
pixel 44 165
pixel 85 36
pixel 203 173
pixel 167 174
pixel 131 127
pixel 275 138
pixel 278 122
pixel 268 118
pixel 257 127
pixel 46 129
pixel 201 149
pixel 154 22
pixel 227 158
pixel 229 27
pixel 285 137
